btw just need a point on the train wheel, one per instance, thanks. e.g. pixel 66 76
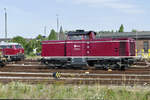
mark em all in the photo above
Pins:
pixel 90 63
pixel 122 68
pixel 2 64
pixel 106 67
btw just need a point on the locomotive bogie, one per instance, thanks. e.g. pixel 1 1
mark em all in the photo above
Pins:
pixel 17 57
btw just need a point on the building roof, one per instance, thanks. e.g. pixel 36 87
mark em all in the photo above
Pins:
pixel 8 39
pixel 8 43
pixel 135 35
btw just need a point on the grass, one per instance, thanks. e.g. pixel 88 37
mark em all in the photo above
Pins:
pixel 16 90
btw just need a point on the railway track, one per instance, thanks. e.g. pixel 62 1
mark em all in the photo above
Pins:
pixel 76 78
pixel 31 71
pixel 43 68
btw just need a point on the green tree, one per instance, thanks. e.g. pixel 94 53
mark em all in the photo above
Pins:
pixel 27 45
pixel 30 44
pixel 39 37
pixel 121 29
pixel 29 48
pixel 52 35
pixel 39 47
pixel 134 30
pixel 19 39
pixel 112 31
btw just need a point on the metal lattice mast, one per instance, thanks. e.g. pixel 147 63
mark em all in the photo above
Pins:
pixel 5 23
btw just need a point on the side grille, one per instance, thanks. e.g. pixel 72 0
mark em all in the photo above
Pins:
pixel 122 50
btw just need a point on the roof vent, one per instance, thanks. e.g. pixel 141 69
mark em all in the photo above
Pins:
pixel 79 30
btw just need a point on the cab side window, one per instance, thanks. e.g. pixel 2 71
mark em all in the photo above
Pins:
pixel 2 46
pixel 86 37
pixel 18 46
pixel 9 46
pixel 75 37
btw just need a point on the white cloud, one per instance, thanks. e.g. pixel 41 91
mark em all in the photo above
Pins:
pixel 120 5
pixel 127 8
pixel 115 4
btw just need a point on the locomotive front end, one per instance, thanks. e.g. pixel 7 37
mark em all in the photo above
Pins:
pixel 12 51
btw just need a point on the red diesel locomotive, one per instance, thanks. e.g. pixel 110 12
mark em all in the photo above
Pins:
pixel 12 51
pixel 83 48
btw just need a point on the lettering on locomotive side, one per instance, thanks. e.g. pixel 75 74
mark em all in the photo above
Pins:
pixel 76 47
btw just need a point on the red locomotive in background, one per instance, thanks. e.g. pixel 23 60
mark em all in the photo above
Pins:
pixel 83 48
pixel 12 51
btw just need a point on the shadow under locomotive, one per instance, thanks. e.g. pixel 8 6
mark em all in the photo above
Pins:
pixel 82 48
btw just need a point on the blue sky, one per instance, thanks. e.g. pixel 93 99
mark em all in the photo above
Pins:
pixel 27 18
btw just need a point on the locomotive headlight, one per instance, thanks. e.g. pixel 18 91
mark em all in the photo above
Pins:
pixel 72 59
pixel 83 59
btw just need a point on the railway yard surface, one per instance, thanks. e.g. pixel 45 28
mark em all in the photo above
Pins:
pixel 32 71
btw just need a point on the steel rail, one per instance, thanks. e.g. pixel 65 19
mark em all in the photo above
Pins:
pixel 74 74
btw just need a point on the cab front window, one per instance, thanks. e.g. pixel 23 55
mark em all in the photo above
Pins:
pixel 9 46
pixel 75 37
pixel 78 37
pixel 18 46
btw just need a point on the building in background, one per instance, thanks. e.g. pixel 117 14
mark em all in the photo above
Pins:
pixel 142 39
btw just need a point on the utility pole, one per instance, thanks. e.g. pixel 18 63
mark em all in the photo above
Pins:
pixel 5 23
pixel 45 31
pixel 57 25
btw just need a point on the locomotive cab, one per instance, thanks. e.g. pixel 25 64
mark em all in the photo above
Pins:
pixel 81 35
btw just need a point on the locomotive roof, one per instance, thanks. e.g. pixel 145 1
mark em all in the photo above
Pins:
pixel 79 32
pixel 9 43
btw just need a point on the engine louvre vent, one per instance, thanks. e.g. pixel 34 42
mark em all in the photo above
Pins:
pixel 122 50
